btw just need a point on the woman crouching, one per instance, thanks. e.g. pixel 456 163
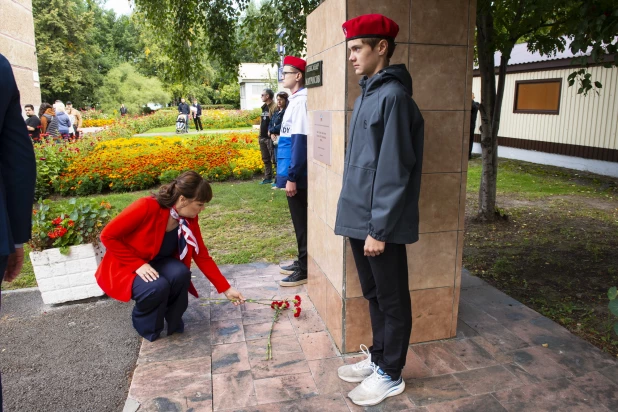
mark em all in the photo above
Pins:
pixel 150 245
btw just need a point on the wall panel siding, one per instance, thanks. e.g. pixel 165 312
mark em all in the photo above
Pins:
pixel 590 121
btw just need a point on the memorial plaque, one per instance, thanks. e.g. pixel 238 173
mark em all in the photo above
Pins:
pixel 322 136
pixel 313 74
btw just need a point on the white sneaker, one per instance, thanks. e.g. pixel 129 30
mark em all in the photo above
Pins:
pixel 377 387
pixel 358 371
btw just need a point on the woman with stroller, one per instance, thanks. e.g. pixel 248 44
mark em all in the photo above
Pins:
pixel 274 127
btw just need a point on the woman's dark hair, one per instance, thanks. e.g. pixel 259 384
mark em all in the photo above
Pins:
pixel 43 107
pixel 284 96
pixel 189 184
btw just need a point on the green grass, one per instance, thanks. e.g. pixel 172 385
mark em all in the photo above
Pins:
pixel 533 181
pixel 245 222
pixel 172 129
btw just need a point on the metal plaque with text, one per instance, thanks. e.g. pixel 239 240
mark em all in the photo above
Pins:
pixel 313 74
pixel 322 136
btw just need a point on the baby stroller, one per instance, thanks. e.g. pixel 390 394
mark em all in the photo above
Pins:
pixel 181 124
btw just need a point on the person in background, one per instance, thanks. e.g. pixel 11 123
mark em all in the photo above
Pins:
pixel 183 108
pixel 474 109
pixel 197 115
pixel 64 121
pixel 266 143
pixel 33 123
pixel 150 246
pixel 49 121
pixel 123 110
pixel 76 120
pixel 17 179
pixel 274 127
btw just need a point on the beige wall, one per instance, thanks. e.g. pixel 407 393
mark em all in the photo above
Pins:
pixel 18 46
pixel 435 42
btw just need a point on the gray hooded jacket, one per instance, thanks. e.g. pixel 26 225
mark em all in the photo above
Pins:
pixel 382 171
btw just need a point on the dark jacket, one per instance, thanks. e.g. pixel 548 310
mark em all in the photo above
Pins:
pixel 183 108
pixel 199 110
pixel 123 110
pixel 274 127
pixel 382 169
pixel 267 111
pixel 17 166
pixel 474 110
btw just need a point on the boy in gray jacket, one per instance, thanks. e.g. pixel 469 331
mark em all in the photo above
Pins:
pixel 378 205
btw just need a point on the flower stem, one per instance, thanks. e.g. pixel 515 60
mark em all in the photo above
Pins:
pixel 269 347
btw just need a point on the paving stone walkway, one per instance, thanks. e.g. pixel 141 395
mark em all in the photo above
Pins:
pixel 506 357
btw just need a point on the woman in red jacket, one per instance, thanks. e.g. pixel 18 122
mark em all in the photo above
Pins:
pixel 150 245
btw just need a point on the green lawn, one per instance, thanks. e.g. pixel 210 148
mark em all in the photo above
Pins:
pixel 172 129
pixel 245 222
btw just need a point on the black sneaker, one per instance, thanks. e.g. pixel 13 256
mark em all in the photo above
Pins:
pixel 288 270
pixel 295 279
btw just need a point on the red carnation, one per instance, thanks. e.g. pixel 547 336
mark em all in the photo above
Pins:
pixel 297 300
pixel 297 311
pixel 287 304
pixel 272 305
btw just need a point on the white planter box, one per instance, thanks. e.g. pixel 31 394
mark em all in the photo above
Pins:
pixel 65 278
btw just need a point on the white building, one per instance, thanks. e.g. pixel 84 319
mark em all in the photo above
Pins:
pixel 545 121
pixel 253 78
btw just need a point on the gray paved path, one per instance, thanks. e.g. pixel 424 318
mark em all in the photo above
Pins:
pixel 76 357
pixel 192 131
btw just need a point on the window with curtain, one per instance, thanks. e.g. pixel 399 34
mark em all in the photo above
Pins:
pixel 537 96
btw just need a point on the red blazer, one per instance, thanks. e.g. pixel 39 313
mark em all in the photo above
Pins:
pixel 134 237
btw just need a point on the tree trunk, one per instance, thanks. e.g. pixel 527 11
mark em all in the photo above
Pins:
pixel 490 108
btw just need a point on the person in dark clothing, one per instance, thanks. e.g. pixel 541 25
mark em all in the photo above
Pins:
pixel 378 204
pixel 184 109
pixel 474 109
pixel 197 115
pixel 17 179
pixel 266 143
pixel 274 127
pixel 123 110
pixel 33 123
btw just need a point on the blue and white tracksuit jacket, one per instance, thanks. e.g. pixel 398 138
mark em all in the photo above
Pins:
pixel 292 151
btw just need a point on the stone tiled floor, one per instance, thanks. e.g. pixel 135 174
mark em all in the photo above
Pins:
pixel 506 357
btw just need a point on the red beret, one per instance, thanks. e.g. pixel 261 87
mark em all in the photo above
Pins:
pixel 297 62
pixel 370 25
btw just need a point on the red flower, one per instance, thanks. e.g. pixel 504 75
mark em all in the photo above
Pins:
pixel 71 223
pixel 287 304
pixel 61 231
pixel 57 221
pixel 297 311
pixel 272 305
pixel 297 301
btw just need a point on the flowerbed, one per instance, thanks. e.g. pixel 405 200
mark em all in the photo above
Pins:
pixel 126 164
pixel 54 160
pixel 97 122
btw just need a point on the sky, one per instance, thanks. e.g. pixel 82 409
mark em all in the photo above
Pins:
pixel 119 6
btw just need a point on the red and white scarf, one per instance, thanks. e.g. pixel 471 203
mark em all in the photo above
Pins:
pixel 185 235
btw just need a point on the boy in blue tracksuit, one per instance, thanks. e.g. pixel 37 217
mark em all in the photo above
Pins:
pixel 292 163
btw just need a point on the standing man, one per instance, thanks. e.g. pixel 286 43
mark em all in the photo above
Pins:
pixel 266 143
pixel 76 119
pixel 123 110
pixel 17 177
pixel 378 205
pixel 183 108
pixel 33 123
pixel 197 115
pixel 474 109
pixel 292 164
